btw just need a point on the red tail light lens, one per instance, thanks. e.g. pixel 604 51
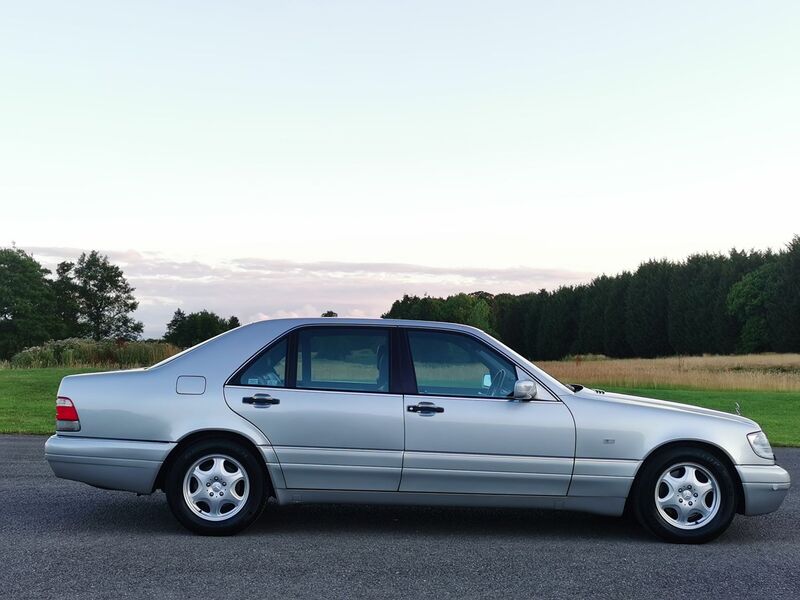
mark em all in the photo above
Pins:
pixel 66 415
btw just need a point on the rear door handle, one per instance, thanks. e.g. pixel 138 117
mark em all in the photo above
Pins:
pixel 425 407
pixel 260 400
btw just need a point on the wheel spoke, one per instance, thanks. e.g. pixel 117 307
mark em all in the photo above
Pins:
pixel 701 508
pixel 218 470
pixel 232 481
pixel 201 476
pixel 232 499
pixel 670 499
pixel 672 481
pixel 199 493
pixel 214 505
pixel 701 497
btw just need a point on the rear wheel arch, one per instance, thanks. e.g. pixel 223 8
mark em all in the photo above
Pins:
pixel 717 451
pixel 209 434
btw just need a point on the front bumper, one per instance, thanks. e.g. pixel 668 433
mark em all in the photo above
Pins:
pixel 112 464
pixel 764 487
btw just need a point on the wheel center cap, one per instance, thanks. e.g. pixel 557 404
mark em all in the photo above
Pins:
pixel 217 486
pixel 687 495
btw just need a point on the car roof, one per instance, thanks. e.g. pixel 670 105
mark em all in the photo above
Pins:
pixel 295 321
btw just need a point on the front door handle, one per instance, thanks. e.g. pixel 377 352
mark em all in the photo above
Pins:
pixel 260 400
pixel 425 407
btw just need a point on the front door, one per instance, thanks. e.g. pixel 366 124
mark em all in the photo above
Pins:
pixel 322 397
pixel 466 434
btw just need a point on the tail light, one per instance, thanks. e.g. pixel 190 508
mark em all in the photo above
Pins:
pixel 66 415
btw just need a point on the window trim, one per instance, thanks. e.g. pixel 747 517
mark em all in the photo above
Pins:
pixel 402 378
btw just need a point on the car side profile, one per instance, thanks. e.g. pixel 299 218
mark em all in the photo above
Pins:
pixel 400 412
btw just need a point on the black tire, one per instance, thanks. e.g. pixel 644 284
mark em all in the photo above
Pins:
pixel 252 506
pixel 644 496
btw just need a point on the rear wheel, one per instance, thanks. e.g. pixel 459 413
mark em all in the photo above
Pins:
pixel 216 487
pixel 685 495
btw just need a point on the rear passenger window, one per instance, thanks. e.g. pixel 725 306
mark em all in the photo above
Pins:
pixel 343 358
pixel 269 369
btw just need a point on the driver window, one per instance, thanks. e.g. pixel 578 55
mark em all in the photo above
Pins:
pixel 269 369
pixel 450 364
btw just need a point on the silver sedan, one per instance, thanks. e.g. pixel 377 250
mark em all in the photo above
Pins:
pixel 401 412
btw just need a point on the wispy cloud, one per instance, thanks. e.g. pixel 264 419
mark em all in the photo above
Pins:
pixel 256 288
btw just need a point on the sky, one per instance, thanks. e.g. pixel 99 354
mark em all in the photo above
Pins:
pixel 270 159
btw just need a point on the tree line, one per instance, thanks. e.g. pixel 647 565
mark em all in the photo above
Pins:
pixel 89 298
pixel 739 302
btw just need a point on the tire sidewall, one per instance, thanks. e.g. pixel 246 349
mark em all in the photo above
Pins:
pixel 647 511
pixel 254 504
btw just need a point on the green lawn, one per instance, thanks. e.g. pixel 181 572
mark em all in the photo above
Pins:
pixel 28 398
pixel 778 413
pixel 27 403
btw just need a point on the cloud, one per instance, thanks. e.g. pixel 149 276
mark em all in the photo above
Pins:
pixel 256 288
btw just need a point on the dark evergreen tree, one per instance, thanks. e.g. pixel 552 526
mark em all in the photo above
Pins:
pixel 692 297
pixel 615 340
pixel 509 321
pixel 532 314
pixel 709 303
pixel 783 300
pixel 557 324
pixel 646 310
pixel 591 316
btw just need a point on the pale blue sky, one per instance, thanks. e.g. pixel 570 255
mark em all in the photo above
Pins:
pixel 494 145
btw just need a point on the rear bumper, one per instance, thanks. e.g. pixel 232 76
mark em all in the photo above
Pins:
pixel 112 464
pixel 764 487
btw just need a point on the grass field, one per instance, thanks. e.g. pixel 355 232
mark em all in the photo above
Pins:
pixel 757 372
pixel 27 396
pixel 778 413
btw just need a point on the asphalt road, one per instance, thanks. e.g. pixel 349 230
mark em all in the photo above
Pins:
pixel 64 539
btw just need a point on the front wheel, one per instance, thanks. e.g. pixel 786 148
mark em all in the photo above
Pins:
pixel 685 495
pixel 216 487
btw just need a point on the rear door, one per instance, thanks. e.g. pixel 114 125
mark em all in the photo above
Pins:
pixel 323 397
pixel 466 434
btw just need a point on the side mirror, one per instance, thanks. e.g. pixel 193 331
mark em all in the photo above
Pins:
pixel 524 389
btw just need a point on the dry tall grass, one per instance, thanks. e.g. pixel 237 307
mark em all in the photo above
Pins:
pixel 769 372
pixel 76 352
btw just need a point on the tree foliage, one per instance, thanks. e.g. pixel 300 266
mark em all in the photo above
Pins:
pixel 470 309
pixel 27 303
pixel 96 291
pixel 89 298
pixel 709 303
pixel 189 330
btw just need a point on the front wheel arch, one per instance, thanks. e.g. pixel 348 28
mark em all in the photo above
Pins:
pixel 723 457
pixel 205 434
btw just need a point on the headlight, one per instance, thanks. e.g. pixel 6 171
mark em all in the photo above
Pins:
pixel 760 444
